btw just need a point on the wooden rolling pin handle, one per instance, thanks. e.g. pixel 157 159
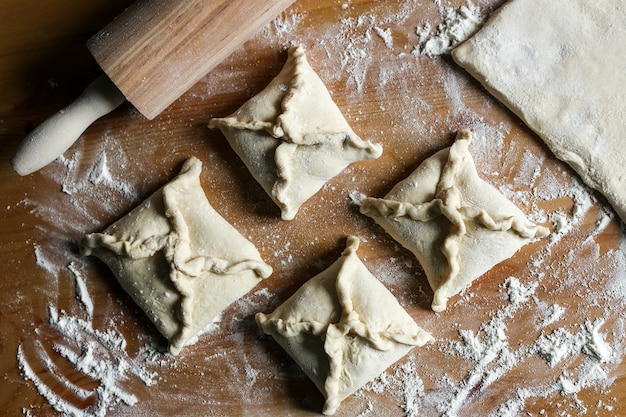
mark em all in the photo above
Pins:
pixel 53 137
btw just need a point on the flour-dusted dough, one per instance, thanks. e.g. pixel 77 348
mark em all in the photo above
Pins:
pixel 457 225
pixel 560 65
pixel 292 137
pixel 343 327
pixel 178 258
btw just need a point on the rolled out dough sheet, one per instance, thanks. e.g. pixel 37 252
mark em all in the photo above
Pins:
pixel 560 65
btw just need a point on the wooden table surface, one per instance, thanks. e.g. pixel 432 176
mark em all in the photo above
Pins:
pixel 412 105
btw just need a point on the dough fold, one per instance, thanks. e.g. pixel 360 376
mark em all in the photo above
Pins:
pixel 179 260
pixel 293 137
pixel 343 327
pixel 457 225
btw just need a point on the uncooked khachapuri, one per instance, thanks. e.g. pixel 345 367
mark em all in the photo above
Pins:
pixel 343 327
pixel 560 65
pixel 293 137
pixel 179 260
pixel 457 225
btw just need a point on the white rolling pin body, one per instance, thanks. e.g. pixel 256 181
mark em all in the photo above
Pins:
pixel 53 137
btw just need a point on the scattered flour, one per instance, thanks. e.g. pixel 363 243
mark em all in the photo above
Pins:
pixel 98 174
pixel 46 261
pixel 98 354
pixel 385 35
pixel 81 289
pixel 283 26
pixel 488 349
pixel 458 25
pixel 356 197
pixel 412 392
pixel 368 409
pixel 551 313
pixel 356 60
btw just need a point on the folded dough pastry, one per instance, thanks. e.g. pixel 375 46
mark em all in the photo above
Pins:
pixel 292 137
pixel 343 327
pixel 457 225
pixel 560 65
pixel 179 260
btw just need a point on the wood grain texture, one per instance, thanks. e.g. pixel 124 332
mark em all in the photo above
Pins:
pixel 157 49
pixel 411 104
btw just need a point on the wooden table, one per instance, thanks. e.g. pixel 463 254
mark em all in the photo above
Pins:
pixel 412 105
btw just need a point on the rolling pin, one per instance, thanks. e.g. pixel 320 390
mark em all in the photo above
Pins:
pixel 150 55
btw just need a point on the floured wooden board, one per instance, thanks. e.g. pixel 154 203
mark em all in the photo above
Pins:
pixel 540 333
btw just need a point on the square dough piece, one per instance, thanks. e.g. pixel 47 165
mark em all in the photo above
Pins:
pixel 457 225
pixel 343 327
pixel 179 260
pixel 560 65
pixel 293 137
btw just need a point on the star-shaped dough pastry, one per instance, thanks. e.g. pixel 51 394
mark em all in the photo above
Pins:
pixel 457 225
pixel 343 327
pixel 293 137
pixel 179 260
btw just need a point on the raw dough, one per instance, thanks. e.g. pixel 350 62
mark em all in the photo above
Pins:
pixel 178 258
pixel 343 327
pixel 457 225
pixel 292 137
pixel 560 65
